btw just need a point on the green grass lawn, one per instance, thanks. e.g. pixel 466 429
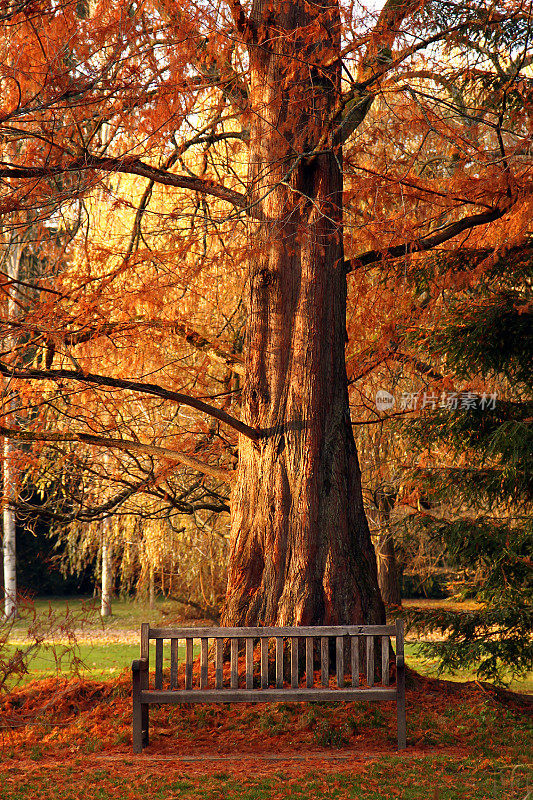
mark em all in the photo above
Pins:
pixel 101 659
pixel 438 777
pixel 127 614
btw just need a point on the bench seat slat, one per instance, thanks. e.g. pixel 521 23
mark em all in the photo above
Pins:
pixel 265 695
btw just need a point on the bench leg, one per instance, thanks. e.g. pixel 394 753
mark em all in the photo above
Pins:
pixel 140 727
pixel 140 716
pixel 400 705
pixel 145 720
pixel 137 728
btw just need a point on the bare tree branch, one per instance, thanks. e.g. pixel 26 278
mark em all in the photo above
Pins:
pixel 428 242
pixel 127 166
pixel 213 349
pixel 118 444
pixel 134 386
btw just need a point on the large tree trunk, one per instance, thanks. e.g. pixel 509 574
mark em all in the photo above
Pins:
pixel 301 550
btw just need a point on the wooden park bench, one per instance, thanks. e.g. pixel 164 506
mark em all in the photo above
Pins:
pixel 270 683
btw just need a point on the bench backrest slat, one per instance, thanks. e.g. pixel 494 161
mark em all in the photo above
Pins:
pixel 279 662
pixel 188 662
pixel 385 649
pixel 203 663
pixel 370 660
pixel 145 643
pixel 294 662
pixel 174 663
pixel 258 633
pixel 309 676
pixel 339 658
pixel 159 664
pixel 355 661
pixel 249 663
pixel 264 663
pixel 219 663
pixel 234 682
pixel 324 661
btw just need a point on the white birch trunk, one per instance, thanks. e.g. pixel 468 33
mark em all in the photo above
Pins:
pixel 9 535
pixel 9 478
pixel 107 561
pixel 107 570
pixel 151 589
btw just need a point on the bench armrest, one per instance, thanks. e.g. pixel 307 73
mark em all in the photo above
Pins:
pixel 139 665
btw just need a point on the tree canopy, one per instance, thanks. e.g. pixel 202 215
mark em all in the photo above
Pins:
pixel 198 194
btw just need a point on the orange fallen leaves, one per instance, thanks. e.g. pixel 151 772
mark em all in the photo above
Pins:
pixel 68 719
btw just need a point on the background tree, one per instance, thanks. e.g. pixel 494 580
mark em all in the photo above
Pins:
pixel 479 463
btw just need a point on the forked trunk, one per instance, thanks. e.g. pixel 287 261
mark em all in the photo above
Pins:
pixel 301 550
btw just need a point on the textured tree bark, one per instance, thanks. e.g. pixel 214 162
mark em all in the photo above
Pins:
pixel 301 551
